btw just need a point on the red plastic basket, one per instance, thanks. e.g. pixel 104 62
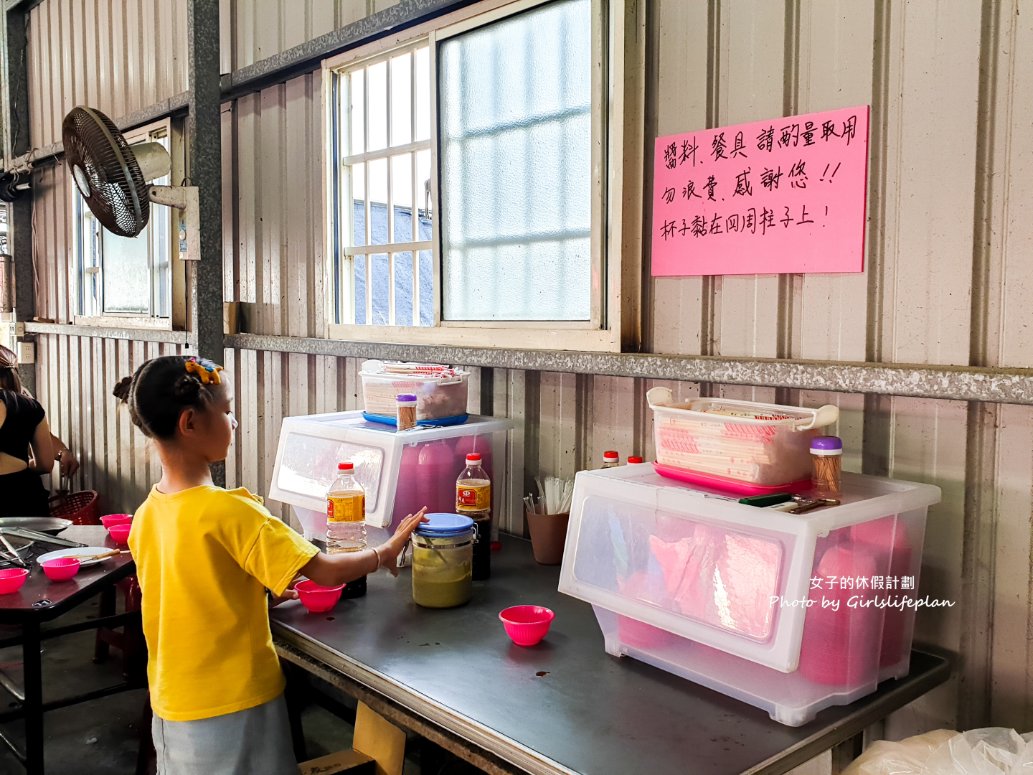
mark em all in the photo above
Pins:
pixel 82 507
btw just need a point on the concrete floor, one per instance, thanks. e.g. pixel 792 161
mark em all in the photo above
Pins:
pixel 102 737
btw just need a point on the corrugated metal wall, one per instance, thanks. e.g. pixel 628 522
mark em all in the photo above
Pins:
pixel 257 29
pixel 946 281
pixel 115 55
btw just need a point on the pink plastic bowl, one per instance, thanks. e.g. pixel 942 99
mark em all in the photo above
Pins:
pixel 120 533
pixel 61 569
pixel 526 625
pixel 11 579
pixel 318 599
pixel 116 519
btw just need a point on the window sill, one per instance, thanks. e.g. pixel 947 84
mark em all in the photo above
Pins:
pixel 124 321
pixel 541 336
pixel 126 331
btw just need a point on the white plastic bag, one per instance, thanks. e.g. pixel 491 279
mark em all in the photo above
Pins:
pixel 989 751
pixel 907 757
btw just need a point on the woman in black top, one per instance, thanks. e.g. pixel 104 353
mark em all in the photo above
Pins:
pixel 26 449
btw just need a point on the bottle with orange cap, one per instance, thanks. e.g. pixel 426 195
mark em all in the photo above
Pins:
pixel 346 520
pixel 473 499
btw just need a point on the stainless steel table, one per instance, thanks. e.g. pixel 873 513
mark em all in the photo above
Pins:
pixel 453 677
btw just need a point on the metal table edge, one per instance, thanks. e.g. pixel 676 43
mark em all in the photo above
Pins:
pixel 894 699
pixel 478 735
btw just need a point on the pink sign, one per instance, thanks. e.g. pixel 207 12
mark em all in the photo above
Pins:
pixel 785 195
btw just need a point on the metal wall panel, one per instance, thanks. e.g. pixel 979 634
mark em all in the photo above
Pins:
pixel 52 247
pixel 75 379
pixel 279 264
pixel 264 28
pixel 115 55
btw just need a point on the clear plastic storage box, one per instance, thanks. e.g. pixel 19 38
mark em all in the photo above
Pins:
pixel 737 446
pixel 441 392
pixel 400 470
pixel 790 613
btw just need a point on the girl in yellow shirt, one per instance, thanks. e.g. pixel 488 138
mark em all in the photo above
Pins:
pixel 205 557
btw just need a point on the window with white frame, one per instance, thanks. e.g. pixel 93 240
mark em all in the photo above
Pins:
pixel 465 176
pixel 119 276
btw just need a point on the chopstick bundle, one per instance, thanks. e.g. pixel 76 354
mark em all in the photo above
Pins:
pixel 554 495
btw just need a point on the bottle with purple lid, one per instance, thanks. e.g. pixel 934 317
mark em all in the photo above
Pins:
pixel 827 454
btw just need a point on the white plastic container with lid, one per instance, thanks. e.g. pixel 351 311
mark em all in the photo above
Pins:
pixel 400 472
pixel 441 391
pixel 738 446
pixel 721 593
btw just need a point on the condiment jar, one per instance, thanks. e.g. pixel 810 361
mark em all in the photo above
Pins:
pixel 442 561
pixel 405 411
pixel 827 456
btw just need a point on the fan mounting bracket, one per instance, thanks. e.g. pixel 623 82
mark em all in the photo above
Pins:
pixel 184 199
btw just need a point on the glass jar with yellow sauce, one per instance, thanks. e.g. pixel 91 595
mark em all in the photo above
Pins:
pixel 442 561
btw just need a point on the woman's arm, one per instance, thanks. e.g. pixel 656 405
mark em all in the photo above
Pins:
pixel 42 449
pixel 69 462
pixel 330 570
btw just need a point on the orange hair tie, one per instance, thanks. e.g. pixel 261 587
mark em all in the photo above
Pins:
pixel 205 370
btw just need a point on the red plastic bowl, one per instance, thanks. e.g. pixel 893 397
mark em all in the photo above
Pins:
pixel 526 625
pixel 116 519
pixel 120 533
pixel 317 599
pixel 11 579
pixel 61 569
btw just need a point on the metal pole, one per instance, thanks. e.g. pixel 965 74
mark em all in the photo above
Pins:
pixel 204 162
pixel 16 141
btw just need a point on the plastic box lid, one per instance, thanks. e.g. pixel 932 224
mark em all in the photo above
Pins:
pixel 630 529
pixel 311 446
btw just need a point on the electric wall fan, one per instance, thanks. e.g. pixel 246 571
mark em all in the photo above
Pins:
pixel 113 177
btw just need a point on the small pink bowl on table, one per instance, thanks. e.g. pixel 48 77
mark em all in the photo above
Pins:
pixel 526 625
pixel 120 533
pixel 318 599
pixel 61 569
pixel 116 519
pixel 12 579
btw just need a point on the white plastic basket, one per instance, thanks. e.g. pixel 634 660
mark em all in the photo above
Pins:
pixel 740 446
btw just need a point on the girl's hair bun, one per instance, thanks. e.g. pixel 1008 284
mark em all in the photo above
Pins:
pixel 122 389
pixel 187 390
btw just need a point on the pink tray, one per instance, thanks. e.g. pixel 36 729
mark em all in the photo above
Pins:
pixel 728 485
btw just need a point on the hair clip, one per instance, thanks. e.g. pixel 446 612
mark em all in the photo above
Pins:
pixel 205 370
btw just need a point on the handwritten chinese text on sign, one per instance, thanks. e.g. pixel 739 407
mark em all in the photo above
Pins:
pixel 785 195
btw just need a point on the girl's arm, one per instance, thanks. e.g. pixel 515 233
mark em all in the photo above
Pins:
pixel 331 570
pixel 42 449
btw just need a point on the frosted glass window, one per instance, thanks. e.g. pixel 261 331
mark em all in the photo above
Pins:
pixel 127 279
pixel 515 135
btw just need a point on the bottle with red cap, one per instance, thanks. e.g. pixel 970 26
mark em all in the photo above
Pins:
pixel 633 459
pixel 611 459
pixel 346 519
pixel 473 499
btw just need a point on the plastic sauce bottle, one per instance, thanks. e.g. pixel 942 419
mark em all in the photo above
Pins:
pixel 346 520
pixel 611 459
pixel 473 499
